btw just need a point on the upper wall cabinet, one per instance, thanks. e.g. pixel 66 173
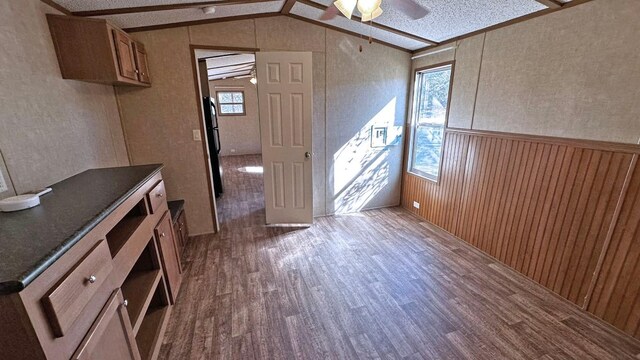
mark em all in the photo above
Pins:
pixel 94 50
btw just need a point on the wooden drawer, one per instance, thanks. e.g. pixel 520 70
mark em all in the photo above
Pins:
pixel 66 300
pixel 156 197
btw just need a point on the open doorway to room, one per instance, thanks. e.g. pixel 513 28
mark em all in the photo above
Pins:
pixel 229 99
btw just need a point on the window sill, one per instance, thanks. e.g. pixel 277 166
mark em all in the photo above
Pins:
pixel 424 176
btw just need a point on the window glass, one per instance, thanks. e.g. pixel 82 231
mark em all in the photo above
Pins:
pixel 225 97
pixel 430 106
pixel 231 102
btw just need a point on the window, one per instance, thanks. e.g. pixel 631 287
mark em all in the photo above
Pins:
pixel 429 117
pixel 231 102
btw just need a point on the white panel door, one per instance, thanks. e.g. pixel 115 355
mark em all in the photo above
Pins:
pixel 285 96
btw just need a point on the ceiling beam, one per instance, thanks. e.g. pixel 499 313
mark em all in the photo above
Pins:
pixel 201 22
pixel 286 8
pixel 232 70
pixel 551 4
pixel 57 6
pixel 138 9
pixel 216 56
pixel 507 23
pixel 231 65
pixel 344 31
pixel 232 73
pixel 374 24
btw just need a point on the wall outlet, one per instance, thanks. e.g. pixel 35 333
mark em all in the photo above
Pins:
pixel 232 151
pixel 3 183
pixel 416 205
pixel 196 135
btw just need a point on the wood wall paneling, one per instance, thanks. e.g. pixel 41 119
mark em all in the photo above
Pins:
pixel 544 207
pixel 616 296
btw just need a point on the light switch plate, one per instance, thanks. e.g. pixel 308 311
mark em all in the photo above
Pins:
pixel 378 136
pixel 196 135
pixel 416 205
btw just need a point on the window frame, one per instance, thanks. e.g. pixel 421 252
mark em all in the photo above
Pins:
pixel 220 103
pixel 413 118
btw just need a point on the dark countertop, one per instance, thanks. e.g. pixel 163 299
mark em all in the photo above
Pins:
pixel 175 207
pixel 32 239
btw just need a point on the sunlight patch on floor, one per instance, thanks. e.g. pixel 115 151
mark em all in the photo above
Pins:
pixel 251 169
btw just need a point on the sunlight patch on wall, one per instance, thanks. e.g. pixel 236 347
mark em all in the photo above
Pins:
pixel 360 170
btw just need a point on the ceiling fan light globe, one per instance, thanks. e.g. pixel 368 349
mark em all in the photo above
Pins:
pixel 368 17
pixel 368 6
pixel 346 7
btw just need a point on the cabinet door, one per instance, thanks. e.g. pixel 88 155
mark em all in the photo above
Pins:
pixel 169 255
pixel 178 237
pixel 125 55
pixel 141 63
pixel 182 223
pixel 111 336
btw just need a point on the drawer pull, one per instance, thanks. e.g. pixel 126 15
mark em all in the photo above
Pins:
pixel 92 279
pixel 161 234
pixel 156 197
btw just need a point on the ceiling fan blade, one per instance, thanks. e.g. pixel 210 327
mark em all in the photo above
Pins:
pixel 410 8
pixel 330 13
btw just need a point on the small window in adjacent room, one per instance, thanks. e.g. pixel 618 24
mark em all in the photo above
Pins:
pixel 231 102
pixel 429 118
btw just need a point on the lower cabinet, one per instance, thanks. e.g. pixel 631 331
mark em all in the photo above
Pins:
pixel 169 255
pixel 180 232
pixel 111 336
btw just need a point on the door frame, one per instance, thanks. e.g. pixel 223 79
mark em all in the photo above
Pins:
pixel 205 144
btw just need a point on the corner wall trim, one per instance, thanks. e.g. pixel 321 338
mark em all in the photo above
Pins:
pixel 607 241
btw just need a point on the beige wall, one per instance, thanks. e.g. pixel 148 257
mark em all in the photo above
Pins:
pixel 158 121
pixel 239 135
pixel 573 73
pixel 50 128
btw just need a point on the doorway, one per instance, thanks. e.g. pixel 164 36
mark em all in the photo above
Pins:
pixel 229 100
pixel 278 130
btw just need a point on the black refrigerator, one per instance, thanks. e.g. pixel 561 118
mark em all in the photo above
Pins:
pixel 213 137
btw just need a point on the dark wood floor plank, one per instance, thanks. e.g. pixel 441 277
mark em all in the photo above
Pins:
pixel 379 284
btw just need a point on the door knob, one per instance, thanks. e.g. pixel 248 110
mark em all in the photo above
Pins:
pixel 307 155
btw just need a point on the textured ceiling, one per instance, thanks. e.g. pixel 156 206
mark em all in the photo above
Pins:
pixel 449 19
pixel 86 5
pixel 310 12
pixel 190 14
pixel 228 65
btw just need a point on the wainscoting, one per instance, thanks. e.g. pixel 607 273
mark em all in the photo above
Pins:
pixel 565 213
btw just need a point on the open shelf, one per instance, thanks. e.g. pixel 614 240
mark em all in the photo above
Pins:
pixel 141 284
pixel 138 289
pixel 118 236
pixel 153 325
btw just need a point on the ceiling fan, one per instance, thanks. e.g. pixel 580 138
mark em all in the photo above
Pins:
pixel 370 9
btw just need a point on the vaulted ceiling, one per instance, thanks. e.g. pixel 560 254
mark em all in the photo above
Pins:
pixel 446 21
pixel 225 64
